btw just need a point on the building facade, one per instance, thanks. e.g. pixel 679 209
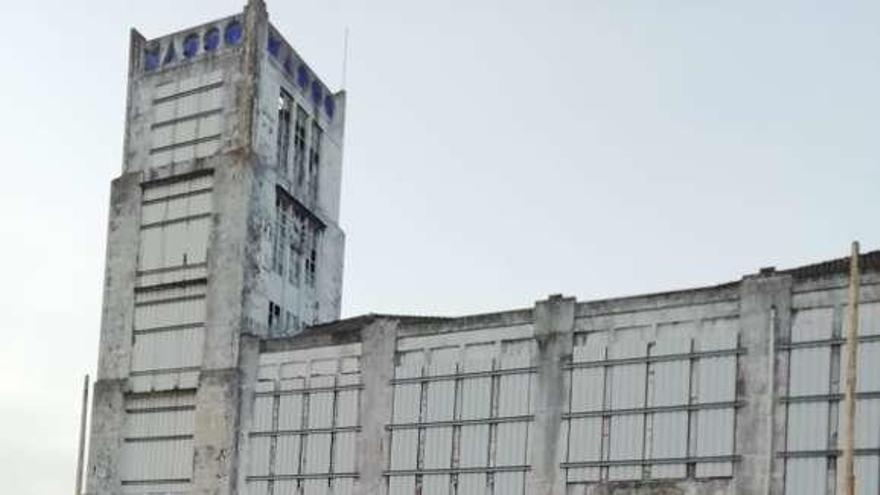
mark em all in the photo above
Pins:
pixel 224 368
pixel 223 230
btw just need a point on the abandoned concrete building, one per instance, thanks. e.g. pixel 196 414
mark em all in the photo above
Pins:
pixel 224 367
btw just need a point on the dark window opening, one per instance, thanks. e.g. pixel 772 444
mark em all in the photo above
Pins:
pixel 314 159
pixel 274 318
pixel 299 144
pixel 285 108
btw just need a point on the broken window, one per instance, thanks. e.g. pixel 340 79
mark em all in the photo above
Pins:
pixel 299 144
pixel 314 159
pixel 294 268
pixel 311 258
pixel 285 108
pixel 274 322
pixel 279 237
pixel 294 246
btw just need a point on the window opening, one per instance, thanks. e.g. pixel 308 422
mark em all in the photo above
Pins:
pixel 314 159
pixel 299 144
pixel 285 108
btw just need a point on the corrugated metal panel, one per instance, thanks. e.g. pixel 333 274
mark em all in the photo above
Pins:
pixel 478 357
pixel 258 488
pixel 344 450
pixel 472 484
pixel 867 471
pixel 670 383
pixel 810 371
pixel 626 442
pixel 286 487
pixel 516 354
pixel 156 460
pixel 287 454
pixel 347 408
pixel 404 449
pixel 474 446
pixel 290 412
pixel 714 438
pixel 807 426
pixel 316 487
pixel 441 400
pixel 716 379
pixel 343 486
pixel 628 386
pixel 512 397
pixel 590 347
pixel 585 442
pixel 164 350
pixel 868 424
pixel 587 389
pixel 401 485
pixel 718 334
pixel 674 338
pixel 151 248
pixel 510 448
pixel 435 485
pixel 812 324
pixel 317 457
pixel 258 458
pixel 628 343
pixel 668 441
pixel 438 448
pixel 869 319
pixel 444 361
pixel 509 484
pixel 409 364
pixel 805 476
pixel 407 400
pixel 869 367
pixel 159 423
pixel 580 475
pixel 475 394
pixel 321 410
pixel 159 315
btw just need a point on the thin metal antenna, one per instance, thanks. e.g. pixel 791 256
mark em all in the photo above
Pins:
pixel 80 458
pixel 345 58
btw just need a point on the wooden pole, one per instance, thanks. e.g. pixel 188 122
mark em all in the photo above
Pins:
pixel 82 436
pixel 847 471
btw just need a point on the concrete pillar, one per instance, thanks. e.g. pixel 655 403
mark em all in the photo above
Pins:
pixel 215 442
pixel 108 404
pixel 765 309
pixel 379 342
pixel 108 422
pixel 554 325
pixel 123 239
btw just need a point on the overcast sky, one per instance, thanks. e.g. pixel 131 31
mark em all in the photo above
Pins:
pixel 496 152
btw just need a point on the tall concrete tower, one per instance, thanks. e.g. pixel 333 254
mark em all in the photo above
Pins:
pixel 223 231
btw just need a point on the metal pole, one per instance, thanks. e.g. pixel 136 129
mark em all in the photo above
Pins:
pixel 847 472
pixel 82 436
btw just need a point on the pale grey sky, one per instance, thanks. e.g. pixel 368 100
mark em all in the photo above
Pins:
pixel 497 151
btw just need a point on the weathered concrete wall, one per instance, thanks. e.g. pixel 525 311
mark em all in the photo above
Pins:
pixel 201 109
pixel 734 347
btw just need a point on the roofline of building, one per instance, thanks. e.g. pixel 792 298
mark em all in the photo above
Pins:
pixel 348 330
